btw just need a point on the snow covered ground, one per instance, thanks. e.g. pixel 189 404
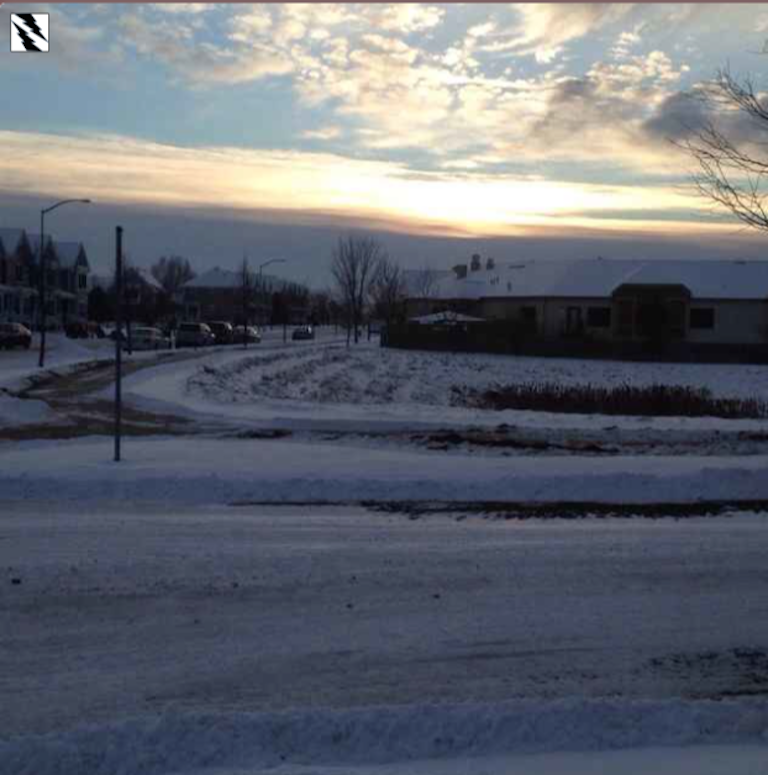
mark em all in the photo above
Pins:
pixel 213 639
pixel 148 626
pixel 327 385
pixel 220 471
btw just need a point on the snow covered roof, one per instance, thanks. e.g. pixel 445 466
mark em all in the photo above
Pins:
pixel 447 317
pixel 68 253
pixel 228 278
pixel 599 278
pixel 10 239
pixel 148 278
pixel 216 278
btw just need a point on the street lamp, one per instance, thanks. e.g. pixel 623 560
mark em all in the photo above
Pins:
pixel 41 264
pixel 261 266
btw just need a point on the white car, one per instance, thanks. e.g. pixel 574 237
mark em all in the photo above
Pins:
pixel 149 339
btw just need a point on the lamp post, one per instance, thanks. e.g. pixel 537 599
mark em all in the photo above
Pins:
pixel 261 267
pixel 43 268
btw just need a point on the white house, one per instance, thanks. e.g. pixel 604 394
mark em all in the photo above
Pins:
pixel 699 302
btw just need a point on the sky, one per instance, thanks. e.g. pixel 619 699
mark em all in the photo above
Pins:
pixel 523 130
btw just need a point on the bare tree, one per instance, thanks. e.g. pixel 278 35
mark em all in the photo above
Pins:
pixel 424 282
pixel 353 267
pixel 172 273
pixel 731 172
pixel 388 291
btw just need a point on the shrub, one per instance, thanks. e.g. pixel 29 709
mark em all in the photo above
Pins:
pixel 649 401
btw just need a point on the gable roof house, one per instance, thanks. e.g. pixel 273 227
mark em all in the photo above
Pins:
pixel 17 299
pixel 66 281
pixel 688 307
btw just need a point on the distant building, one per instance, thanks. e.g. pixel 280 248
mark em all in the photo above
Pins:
pixel 18 300
pixel 218 295
pixel 691 306
pixel 67 271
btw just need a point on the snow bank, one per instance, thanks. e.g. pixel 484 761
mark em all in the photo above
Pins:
pixel 200 470
pixel 17 411
pixel 183 742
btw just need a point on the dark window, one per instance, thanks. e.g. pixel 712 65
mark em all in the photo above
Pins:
pixel 599 317
pixel 703 318
pixel 528 314
pixel 82 281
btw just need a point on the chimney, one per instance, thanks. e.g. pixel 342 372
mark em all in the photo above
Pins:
pixel 476 263
pixel 490 264
pixel 461 271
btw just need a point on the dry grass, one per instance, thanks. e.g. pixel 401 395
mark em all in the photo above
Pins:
pixel 650 401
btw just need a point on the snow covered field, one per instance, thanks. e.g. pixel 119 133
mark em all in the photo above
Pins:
pixel 299 641
pixel 147 626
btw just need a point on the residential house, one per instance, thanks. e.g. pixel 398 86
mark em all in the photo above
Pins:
pixel 66 281
pixel 218 294
pixel 693 307
pixel 18 301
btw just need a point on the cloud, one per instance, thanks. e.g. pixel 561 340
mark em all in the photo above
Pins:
pixel 326 133
pixel 174 43
pixel 114 169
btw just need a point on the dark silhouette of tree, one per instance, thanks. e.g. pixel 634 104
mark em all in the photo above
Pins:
pixel 388 292
pixel 172 272
pixel 354 264
pixel 101 306
pixel 732 164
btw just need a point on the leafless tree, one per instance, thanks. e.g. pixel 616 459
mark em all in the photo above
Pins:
pixel 172 273
pixel 731 172
pixel 388 291
pixel 424 282
pixel 353 266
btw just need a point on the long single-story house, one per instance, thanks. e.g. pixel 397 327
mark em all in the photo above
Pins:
pixel 683 305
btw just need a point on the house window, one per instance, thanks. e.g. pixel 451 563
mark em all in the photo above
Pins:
pixel 19 272
pixel 599 317
pixel 82 281
pixel 528 314
pixel 704 317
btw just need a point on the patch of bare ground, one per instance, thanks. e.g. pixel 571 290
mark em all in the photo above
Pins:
pixel 510 510
pixel 68 395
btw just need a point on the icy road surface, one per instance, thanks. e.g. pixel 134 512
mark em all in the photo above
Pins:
pixel 108 614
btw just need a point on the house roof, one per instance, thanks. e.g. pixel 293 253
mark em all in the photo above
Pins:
pixel 215 278
pixel 148 278
pixel 445 318
pixel 68 253
pixel 11 238
pixel 228 278
pixel 599 278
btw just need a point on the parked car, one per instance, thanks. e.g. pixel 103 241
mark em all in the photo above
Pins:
pixel 223 331
pixel 194 335
pixel 246 333
pixel 146 338
pixel 14 335
pixel 77 330
pixel 303 332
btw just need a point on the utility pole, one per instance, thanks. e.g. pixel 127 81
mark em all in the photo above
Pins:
pixel 118 337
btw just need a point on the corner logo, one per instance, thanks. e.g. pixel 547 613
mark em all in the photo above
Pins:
pixel 29 32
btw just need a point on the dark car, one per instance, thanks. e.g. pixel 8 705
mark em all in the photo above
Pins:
pixel 247 334
pixel 303 332
pixel 223 331
pixel 14 335
pixel 194 335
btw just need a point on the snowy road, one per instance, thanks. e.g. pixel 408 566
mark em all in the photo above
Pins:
pixel 108 614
